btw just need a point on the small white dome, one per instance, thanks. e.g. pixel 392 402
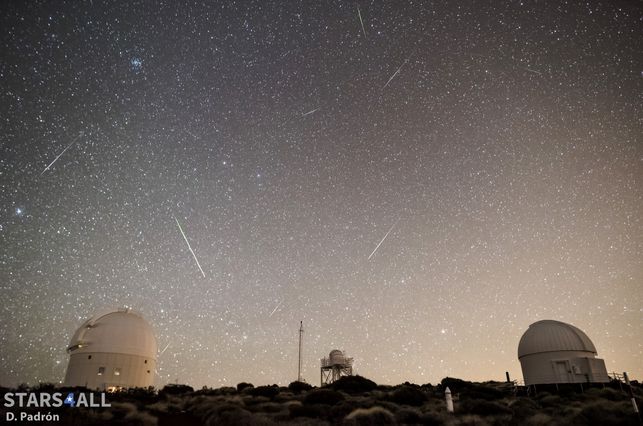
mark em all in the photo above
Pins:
pixel 336 357
pixel 115 331
pixel 553 336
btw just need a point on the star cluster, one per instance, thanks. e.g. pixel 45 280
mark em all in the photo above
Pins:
pixel 416 181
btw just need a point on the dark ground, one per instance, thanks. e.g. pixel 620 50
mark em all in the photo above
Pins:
pixel 353 401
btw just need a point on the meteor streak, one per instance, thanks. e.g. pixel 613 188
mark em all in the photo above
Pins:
pixel 395 73
pixel 59 155
pixel 165 348
pixel 310 112
pixel 378 246
pixel 189 247
pixel 275 310
pixel 359 14
pixel 534 71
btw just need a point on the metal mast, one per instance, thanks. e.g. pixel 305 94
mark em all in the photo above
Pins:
pixel 301 337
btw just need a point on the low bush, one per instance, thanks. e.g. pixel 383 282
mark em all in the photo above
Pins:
pixel 173 389
pixel 243 385
pixel 353 384
pixel 523 408
pixel 314 411
pixel 323 396
pixel 606 393
pixel 339 411
pixel 370 416
pixel 265 391
pixel 484 408
pixel 408 416
pixel 407 395
pixel 299 387
pixel 431 418
pixel 605 413
pixel 549 400
pixel 470 390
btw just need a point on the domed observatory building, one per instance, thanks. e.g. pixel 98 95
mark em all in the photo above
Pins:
pixel 113 350
pixel 335 366
pixel 552 352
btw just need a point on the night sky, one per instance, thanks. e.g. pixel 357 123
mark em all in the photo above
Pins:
pixel 417 187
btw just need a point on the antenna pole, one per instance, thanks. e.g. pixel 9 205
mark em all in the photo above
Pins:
pixel 301 336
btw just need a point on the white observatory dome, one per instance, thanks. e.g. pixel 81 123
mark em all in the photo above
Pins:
pixel 115 349
pixel 116 331
pixel 550 336
pixel 336 357
pixel 552 352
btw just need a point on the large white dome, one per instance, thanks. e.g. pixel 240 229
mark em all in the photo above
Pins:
pixel 553 336
pixel 115 331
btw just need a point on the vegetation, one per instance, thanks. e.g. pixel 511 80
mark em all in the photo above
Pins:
pixel 353 384
pixel 299 387
pixel 353 401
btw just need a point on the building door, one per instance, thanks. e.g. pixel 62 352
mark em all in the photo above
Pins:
pixel 562 372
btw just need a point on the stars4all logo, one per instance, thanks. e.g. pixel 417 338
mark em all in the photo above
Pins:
pixel 70 400
pixel 88 400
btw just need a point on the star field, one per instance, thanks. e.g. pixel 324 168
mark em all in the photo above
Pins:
pixel 493 151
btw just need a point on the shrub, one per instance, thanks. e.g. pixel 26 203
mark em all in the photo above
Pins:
pixel 353 384
pixel 408 395
pixel 604 413
pixel 174 419
pixel 140 396
pixel 123 409
pixel 93 417
pixel 285 396
pixel 471 390
pixel 407 416
pixel 370 416
pixel 454 384
pixel 323 396
pixel 173 389
pixel 339 411
pixel 298 387
pixel 269 407
pixel 523 408
pixel 243 385
pixel 45 387
pixel 234 416
pixel 473 420
pixel 539 419
pixel 315 411
pixel 484 408
pixel 142 418
pixel 225 390
pixel 201 406
pixel 607 393
pixel 549 400
pixel 428 387
pixel 431 418
pixel 266 391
